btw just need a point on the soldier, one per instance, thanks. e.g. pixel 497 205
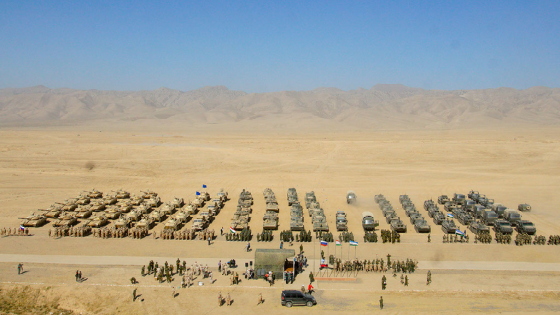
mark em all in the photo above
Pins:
pixel 383 282
pixel 429 278
pixel 402 278
pixel 381 302
pixel 261 299
pixel 429 238
pixel 406 281
pixel 134 294
pixel 228 300
pixel 220 299
pixel 143 272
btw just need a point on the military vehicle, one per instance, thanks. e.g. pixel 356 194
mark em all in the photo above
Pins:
pixel 473 194
pixel 350 197
pixel 168 208
pixel 181 215
pixel 415 217
pixel 134 215
pixel 443 199
pixel 422 226
pixel 148 194
pixel 121 194
pixel 478 211
pixel 146 223
pixel 524 207
pixel 502 226
pixel 246 195
pixel 65 219
pixel 245 202
pixel 110 200
pixel 499 209
pixel 398 226
pixel 478 227
pixel 173 224
pixel 341 223
pixel 432 211
pixel 213 209
pixel 51 213
pixel 270 221
pixel 469 203
pixel 83 200
pixel 191 209
pixel 64 206
pixel 218 202
pixel 97 206
pixel 410 210
pixel 309 198
pixel 143 209
pixel 198 202
pixel 34 220
pixel 94 194
pixel 270 215
pixel 525 226
pixel 157 215
pixel 482 199
pixel 113 213
pixel 403 198
pixel 292 196
pixel 438 217
pixel 489 217
pixel 124 206
pixel 379 197
pixel 122 222
pixel 487 202
pixel 223 195
pixel 465 218
pixel 83 212
pixel 153 202
pixel 205 195
pixel 429 204
pixel 97 221
pixel 296 224
pixel 320 225
pixel 389 215
pixel 273 206
pixel 206 215
pixel 136 200
pixel 512 216
pixel 448 226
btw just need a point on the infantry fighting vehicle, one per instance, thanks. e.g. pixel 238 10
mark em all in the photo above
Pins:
pixel 378 198
pixel 432 211
pixel 443 199
pixel 168 208
pixel 389 216
pixel 502 226
pixel 398 226
pixel 422 226
pixel 448 226
pixel 34 220
pixel 270 221
pixel 477 226
pixel 525 226
pixel 403 198
pixel 524 207
pixel 292 196
pixel 97 221
pixel 350 197
pixel 410 210
pixel 65 219
pixel 429 204
pixel 320 225
pixel 205 195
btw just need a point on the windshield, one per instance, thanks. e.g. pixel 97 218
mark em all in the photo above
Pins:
pixel 492 215
pixel 527 224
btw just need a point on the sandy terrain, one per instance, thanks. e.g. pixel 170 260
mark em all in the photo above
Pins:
pixel 39 167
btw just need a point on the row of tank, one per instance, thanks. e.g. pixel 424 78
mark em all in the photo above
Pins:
pixel 416 219
pixel 390 214
pixel 241 216
pixel 479 212
pixel 317 214
pixel 270 218
pixel 129 211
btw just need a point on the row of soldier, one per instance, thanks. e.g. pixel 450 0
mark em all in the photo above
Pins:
pixel 388 236
pixel 503 238
pixel 483 237
pixel 111 232
pixel 62 231
pixel 138 232
pixel 15 232
pixel 186 234
pixel 377 265
pixel 448 238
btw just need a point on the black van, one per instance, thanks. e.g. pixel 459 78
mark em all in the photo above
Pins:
pixel 294 297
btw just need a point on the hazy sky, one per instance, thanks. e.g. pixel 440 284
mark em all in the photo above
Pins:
pixel 261 46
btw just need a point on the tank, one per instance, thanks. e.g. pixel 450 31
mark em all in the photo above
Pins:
pixel 146 222
pixel 83 212
pixel 97 221
pixel 448 226
pixel 143 209
pixel 157 215
pixel 121 194
pixel 113 213
pixel 173 224
pixel 136 200
pixel 94 194
pixel 83 200
pixel 398 226
pixel 422 226
pixel 181 216
pixel 34 220
pixel 64 206
pixel 110 200
pixel 153 202
pixel 122 222
pixel 53 214
pixel 133 216
pixel 65 219
pixel 168 208
pixel 148 194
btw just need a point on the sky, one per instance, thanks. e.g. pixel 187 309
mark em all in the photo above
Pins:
pixel 264 46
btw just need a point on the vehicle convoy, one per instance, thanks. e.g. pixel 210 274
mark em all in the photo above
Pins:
pixel 290 298
pixel 368 222
pixel 502 226
pixel 525 226
pixel 350 197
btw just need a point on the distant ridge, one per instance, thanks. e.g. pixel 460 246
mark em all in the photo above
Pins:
pixel 382 104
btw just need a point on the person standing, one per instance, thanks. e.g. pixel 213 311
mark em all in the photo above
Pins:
pixel 381 302
pixel 20 269
pixel 134 294
pixel 80 275
pixel 77 273
pixel 248 246
pixel 260 299
pixel 309 288
pixel 209 239
pixel 220 266
pixel 222 231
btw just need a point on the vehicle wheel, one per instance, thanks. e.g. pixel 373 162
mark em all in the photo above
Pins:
pixel 289 304
pixel 309 303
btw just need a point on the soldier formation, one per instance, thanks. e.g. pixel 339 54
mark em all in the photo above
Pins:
pixel 370 237
pixel 483 237
pixel 454 238
pixel 244 236
pixel 73 231
pixel 14 232
pixel 390 236
pixel 376 265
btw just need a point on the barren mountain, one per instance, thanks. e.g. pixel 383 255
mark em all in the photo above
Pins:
pixel 382 105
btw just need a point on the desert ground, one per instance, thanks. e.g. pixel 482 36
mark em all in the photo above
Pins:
pixel 512 164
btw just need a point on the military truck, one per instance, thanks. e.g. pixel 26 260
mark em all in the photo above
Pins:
pixel 482 200
pixel 398 226
pixel 350 197
pixel 34 221
pixel 525 226
pixel 524 207
pixel 487 202
pixel 448 226
pixel 502 226
pixel 477 227
pixel 478 211
pixel 489 217
pixel 422 226
pixel 443 199
pixel 511 216
pixel 499 209
pixel 473 194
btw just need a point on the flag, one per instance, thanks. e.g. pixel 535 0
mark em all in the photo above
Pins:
pixel 197 193
pixel 458 232
pixel 450 215
pixel 338 243
pixel 21 228
pixel 203 186
pixel 352 243
pixel 323 243
pixel 232 230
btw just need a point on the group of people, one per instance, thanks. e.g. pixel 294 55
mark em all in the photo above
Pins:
pixel 79 276
pixel 15 232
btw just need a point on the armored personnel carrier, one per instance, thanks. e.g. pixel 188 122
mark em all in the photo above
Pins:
pixel 292 196
pixel 157 215
pixel 97 221
pixel 206 215
pixel 198 202
pixel 502 226
pixel 272 207
pixel 411 210
pixel 525 226
pixel 524 207
pixel 34 220
pixel 350 197
pixel 403 198
pixel 422 226
pixel 477 227
pixel 146 222
pixel 218 202
pixel 368 222
pixel 65 219
pixel 296 224
pixel 448 226
pixel 168 208
pixel 113 213
pixel 213 209
pixel 173 224
pixel 205 195
pixel 438 218
pixel 415 217
pixel 428 204
pixel 191 209
pixel 443 199
pixel 309 198
pixel 397 225
pixel 223 195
